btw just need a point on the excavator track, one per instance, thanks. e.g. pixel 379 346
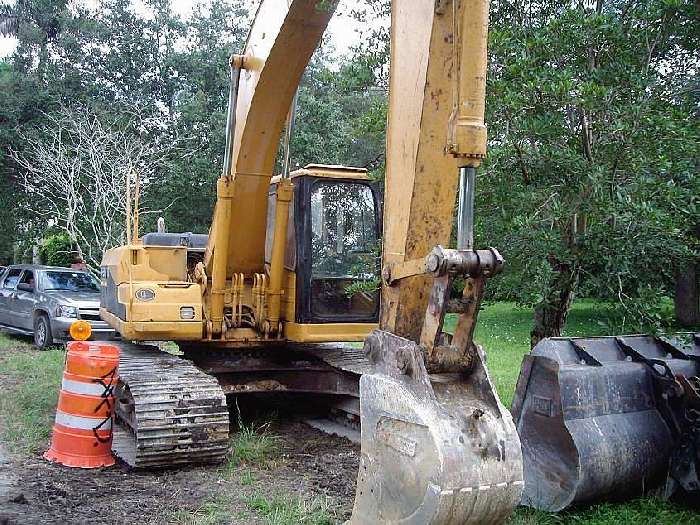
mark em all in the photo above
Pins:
pixel 168 412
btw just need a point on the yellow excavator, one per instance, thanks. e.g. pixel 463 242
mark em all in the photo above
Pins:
pixel 265 301
pixel 268 301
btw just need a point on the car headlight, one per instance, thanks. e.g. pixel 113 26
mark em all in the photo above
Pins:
pixel 66 311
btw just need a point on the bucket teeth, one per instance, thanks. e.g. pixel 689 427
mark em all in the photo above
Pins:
pixel 600 418
pixel 434 450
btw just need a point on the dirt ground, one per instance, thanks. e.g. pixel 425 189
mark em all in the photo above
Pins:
pixel 306 465
pixel 309 464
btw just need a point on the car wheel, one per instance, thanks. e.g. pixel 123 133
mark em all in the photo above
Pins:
pixel 42 333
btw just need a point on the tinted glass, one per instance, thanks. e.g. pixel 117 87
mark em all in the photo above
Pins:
pixel 70 281
pixel 12 278
pixel 27 277
pixel 344 249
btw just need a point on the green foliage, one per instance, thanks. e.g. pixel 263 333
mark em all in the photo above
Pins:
pixel 592 111
pixel 211 512
pixel 593 140
pixel 503 331
pixel 290 510
pixel 642 511
pixel 30 391
pixel 113 60
pixel 592 163
pixel 340 117
pixel 253 445
pixel 57 250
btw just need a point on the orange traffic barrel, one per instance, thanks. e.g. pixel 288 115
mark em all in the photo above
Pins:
pixel 82 432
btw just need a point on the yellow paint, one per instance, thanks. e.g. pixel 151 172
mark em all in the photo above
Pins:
pixel 331 172
pixel 146 263
pixel 468 133
pixel 220 238
pixel 328 333
pixel 435 125
pixel 274 292
pixel 279 46
pixel 435 93
pixel 154 330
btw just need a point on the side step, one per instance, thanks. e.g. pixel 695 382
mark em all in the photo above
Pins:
pixel 600 418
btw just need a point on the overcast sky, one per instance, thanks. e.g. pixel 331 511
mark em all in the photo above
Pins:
pixel 343 28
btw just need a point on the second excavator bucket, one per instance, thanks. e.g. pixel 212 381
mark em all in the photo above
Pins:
pixel 601 418
pixel 435 448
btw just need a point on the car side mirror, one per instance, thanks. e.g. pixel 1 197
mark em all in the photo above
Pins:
pixel 25 287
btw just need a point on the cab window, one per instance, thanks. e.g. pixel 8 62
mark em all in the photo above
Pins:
pixel 344 250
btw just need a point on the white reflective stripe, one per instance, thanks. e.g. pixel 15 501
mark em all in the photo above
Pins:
pixel 82 423
pixel 88 389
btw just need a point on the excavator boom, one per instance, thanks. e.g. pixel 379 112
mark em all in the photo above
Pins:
pixel 281 41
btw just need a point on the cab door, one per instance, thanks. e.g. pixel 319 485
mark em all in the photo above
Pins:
pixel 338 251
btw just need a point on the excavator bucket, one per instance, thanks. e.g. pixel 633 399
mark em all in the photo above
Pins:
pixel 607 418
pixel 435 449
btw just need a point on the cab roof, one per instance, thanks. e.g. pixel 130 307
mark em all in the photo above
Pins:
pixel 328 171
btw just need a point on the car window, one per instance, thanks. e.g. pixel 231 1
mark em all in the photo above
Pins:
pixel 27 277
pixel 70 281
pixel 12 277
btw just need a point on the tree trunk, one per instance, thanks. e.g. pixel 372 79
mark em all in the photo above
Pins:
pixel 550 313
pixel 686 301
pixel 687 298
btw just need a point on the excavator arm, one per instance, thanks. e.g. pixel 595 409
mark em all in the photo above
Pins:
pixel 437 444
pixel 265 78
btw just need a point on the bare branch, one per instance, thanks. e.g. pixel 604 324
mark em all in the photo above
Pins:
pixel 75 171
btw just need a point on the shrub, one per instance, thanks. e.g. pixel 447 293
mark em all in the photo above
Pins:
pixel 57 250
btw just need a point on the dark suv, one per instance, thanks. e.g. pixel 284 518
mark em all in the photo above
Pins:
pixel 44 301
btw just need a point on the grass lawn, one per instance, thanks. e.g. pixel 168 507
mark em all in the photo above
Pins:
pixel 504 332
pixel 32 380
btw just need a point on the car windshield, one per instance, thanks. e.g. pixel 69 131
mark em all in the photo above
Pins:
pixel 70 281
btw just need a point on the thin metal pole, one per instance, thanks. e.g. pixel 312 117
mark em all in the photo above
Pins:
pixel 288 135
pixel 465 210
pixel 128 207
pixel 231 118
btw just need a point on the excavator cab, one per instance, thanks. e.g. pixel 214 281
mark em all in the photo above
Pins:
pixel 332 244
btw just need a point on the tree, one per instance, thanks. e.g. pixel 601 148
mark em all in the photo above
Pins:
pixel 112 59
pixel 75 169
pixel 57 250
pixel 687 292
pixel 590 171
pixel 340 119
